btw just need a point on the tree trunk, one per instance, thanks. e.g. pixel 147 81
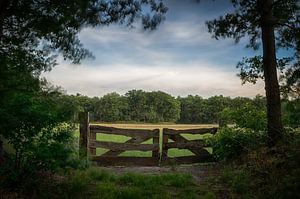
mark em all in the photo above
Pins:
pixel 275 127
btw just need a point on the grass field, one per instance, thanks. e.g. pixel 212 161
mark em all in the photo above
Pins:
pixel 171 152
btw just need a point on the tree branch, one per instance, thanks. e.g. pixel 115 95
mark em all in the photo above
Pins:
pixel 277 2
pixel 289 26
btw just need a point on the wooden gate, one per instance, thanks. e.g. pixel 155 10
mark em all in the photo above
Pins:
pixel 89 144
pixel 111 157
pixel 178 141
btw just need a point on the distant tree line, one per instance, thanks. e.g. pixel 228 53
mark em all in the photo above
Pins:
pixel 158 106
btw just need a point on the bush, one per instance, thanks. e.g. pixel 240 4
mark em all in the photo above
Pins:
pixel 230 143
pixel 54 149
pixel 268 173
pixel 247 116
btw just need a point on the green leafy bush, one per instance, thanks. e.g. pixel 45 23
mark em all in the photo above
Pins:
pixel 37 125
pixel 246 116
pixel 53 150
pixel 230 143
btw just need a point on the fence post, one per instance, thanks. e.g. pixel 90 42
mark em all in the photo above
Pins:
pixel 155 154
pixel 164 153
pixel 84 134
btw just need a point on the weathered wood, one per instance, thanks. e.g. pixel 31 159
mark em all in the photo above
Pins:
pixel 186 144
pixel 195 146
pixel 125 132
pixel 93 136
pixel 190 131
pixel 155 153
pixel 84 134
pixel 132 140
pixel 123 146
pixel 125 161
pixel 180 139
pixel 164 153
pixel 188 159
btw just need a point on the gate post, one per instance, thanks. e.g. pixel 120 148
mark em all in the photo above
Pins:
pixel 84 134
pixel 164 152
pixel 155 154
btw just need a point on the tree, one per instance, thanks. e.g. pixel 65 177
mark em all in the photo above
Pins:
pixel 273 24
pixel 32 35
pixel 137 105
pixel 111 108
pixel 163 106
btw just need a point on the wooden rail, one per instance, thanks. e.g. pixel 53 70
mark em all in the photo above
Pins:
pixel 195 146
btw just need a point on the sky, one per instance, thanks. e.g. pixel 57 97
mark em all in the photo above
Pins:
pixel 180 57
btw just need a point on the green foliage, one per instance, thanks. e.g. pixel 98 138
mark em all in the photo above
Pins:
pixel 246 116
pixel 232 143
pixel 195 109
pixel 268 173
pixel 52 150
pixel 291 113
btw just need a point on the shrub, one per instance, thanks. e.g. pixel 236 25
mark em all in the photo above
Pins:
pixel 247 116
pixel 268 173
pixel 230 143
pixel 53 150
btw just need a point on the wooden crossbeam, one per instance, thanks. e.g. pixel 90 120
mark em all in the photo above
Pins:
pixel 191 131
pixel 125 161
pixel 124 132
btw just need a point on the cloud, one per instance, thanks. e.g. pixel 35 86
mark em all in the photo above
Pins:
pixel 180 57
pixel 202 80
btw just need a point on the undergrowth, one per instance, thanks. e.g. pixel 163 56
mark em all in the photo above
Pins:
pixel 97 183
pixel 266 173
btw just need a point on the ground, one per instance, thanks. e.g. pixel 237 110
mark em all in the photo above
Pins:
pixel 204 174
pixel 200 172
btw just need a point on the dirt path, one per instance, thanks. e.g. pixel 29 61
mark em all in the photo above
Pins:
pixel 200 172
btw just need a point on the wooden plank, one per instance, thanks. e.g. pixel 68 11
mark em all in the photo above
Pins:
pixel 84 134
pixel 123 146
pixel 188 159
pixel 125 161
pixel 92 137
pixel 186 144
pixel 190 131
pixel 155 153
pixel 132 140
pixel 125 132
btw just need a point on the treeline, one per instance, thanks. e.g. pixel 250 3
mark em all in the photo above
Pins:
pixel 158 106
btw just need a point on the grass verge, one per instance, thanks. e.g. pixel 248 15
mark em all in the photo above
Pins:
pixel 97 183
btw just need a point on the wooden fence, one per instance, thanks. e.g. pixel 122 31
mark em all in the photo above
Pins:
pixel 89 144
pixel 180 142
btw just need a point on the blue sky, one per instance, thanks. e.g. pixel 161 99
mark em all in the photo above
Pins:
pixel 180 57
